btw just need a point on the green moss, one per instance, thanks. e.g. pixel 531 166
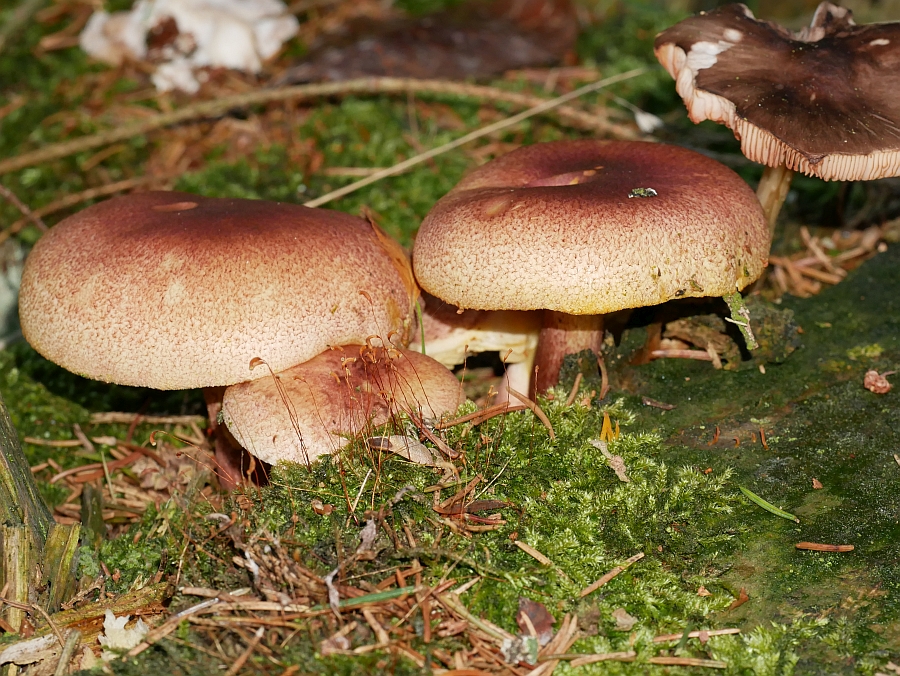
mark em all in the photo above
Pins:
pixel 34 410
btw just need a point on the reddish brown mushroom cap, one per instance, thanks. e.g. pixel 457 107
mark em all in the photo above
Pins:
pixel 574 226
pixel 171 290
pixel 314 408
pixel 825 101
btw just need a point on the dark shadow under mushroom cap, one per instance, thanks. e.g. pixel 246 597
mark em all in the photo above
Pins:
pixel 825 101
pixel 171 290
pixel 573 226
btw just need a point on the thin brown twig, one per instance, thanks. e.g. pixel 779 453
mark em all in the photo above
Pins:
pixel 77 198
pixel 370 85
pixel 442 445
pixel 534 408
pixel 19 17
pixel 478 417
pixel 610 575
pixel 663 638
pixel 21 206
pixel 244 656
pixel 114 417
pixel 53 627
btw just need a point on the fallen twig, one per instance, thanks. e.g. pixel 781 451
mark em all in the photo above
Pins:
pixel 478 417
pixel 77 198
pixel 73 638
pixel 664 638
pixel 818 547
pixel 21 206
pixel 244 656
pixel 372 85
pixel 116 418
pixel 533 553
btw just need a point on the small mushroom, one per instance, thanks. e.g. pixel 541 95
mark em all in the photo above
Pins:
pixel 317 407
pixel 561 227
pixel 824 101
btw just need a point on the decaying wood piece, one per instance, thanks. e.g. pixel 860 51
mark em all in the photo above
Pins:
pixel 36 552
pixel 20 502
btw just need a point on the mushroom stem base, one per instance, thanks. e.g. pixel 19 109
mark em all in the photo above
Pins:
pixel 772 191
pixel 564 334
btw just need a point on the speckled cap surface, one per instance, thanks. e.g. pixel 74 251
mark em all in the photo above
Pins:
pixel 171 290
pixel 589 227
pixel 314 408
pixel 824 101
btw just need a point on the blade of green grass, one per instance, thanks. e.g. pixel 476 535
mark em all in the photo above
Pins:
pixel 768 506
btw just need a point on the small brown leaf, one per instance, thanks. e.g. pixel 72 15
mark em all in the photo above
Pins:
pixel 535 620
pixel 320 508
pixel 624 621
pixel 742 598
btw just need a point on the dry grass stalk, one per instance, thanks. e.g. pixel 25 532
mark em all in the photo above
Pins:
pixel 377 85
pixel 478 417
pixel 534 408
pixel 533 553
pixel 591 588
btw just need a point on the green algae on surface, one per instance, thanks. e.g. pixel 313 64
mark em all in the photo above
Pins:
pixel 820 423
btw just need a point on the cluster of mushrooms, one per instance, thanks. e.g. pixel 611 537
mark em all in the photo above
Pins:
pixel 300 323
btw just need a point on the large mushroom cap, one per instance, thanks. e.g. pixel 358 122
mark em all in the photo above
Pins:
pixel 825 101
pixel 590 227
pixel 171 290
pixel 314 408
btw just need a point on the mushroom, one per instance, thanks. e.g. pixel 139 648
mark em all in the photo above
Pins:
pixel 824 101
pixel 450 337
pixel 172 291
pixel 315 408
pixel 583 228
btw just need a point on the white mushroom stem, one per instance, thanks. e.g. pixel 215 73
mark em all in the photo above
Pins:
pixel 772 191
pixel 564 334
